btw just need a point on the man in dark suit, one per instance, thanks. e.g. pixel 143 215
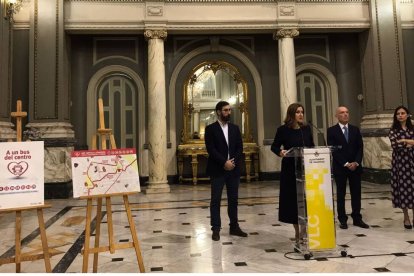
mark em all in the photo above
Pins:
pixel 225 148
pixel 347 166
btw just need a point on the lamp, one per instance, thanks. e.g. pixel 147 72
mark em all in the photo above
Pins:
pixel 11 7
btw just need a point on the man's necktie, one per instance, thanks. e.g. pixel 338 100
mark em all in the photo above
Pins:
pixel 346 133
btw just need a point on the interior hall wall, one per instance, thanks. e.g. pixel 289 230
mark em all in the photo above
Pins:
pixel 339 53
pixel 408 42
pixel 82 68
pixel 20 80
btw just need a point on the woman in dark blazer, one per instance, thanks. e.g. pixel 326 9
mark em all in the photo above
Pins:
pixel 294 133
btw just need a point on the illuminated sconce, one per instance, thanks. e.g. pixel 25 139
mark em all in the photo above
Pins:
pixel 11 7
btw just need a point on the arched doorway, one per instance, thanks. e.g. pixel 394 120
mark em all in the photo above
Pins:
pixel 123 94
pixel 317 91
pixel 119 97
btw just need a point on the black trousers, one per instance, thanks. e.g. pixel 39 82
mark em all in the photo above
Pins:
pixel 355 190
pixel 232 187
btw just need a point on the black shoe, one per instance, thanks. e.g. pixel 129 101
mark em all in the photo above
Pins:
pixel 343 225
pixel 361 224
pixel 216 236
pixel 408 226
pixel 237 232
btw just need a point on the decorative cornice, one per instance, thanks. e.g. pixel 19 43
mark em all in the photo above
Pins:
pixel 286 33
pixel 154 34
pixel 232 1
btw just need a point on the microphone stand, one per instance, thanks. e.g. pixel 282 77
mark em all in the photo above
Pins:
pixel 319 131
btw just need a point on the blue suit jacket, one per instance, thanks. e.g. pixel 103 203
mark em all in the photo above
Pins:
pixel 218 149
pixel 351 151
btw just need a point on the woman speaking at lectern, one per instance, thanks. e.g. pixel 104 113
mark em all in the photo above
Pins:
pixel 293 133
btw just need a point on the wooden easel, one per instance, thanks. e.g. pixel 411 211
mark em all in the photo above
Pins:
pixel 104 134
pixel 19 114
pixel 18 256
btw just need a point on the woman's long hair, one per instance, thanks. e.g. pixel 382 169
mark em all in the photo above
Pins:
pixel 290 118
pixel 396 124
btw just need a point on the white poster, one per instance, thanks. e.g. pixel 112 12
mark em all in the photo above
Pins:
pixel 100 172
pixel 21 174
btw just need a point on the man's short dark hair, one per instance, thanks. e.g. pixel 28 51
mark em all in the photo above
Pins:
pixel 221 104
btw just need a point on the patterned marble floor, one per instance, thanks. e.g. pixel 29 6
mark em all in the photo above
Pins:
pixel 174 235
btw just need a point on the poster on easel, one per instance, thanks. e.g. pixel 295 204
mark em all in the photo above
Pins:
pixel 21 174
pixel 101 172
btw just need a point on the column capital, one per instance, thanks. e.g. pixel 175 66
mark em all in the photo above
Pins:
pixel 286 33
pixel 154 34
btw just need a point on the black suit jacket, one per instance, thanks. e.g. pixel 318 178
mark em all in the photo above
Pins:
pixel 351 151
pixel 218 149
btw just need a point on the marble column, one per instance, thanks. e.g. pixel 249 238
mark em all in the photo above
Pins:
pixel 49 101
pixel 6 37
pixel 384 84
pixel 157 113
pixel 287 68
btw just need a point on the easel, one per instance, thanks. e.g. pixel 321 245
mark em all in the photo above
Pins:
pixel 18 256
pixel 104 134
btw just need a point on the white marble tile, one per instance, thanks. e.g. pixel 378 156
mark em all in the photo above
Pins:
pixel 189 248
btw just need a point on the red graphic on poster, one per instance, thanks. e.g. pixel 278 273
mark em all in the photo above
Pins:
pixel 18 169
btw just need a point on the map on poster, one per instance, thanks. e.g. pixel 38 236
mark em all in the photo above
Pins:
pixel 100 172
pixel 21 174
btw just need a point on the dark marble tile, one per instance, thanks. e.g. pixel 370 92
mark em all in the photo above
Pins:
pixel 276 224
pixel 227 243
pixel 344 245
pixel 117 259
pixel 253 233
pixel 240 264
pixel 382 269
pixel 375 226
pixel 157 210
pixel 195 255
pixel 157 219
pixel 261 214
pixel 157 269
pixel 371 203
pixel 157 247
pixel 127 226
pixel 157 231
pixel 399 254
pixel 411 242
pixel 182 213
pixel 321 259
pixel 185 223
pixel 124 240
pixel 270 250
pixel 360 235
pixel 387 219
pixel 188 237
pixel 73 251
pixel 241 220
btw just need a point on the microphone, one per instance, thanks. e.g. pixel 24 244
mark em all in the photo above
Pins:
pixel 319 131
